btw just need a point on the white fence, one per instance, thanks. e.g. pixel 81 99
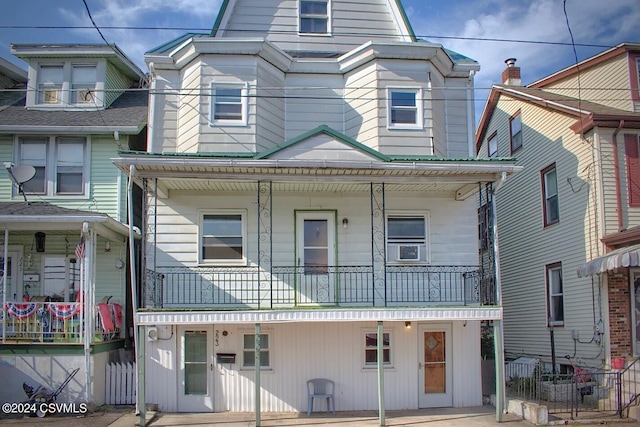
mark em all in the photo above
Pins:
pixel 120 384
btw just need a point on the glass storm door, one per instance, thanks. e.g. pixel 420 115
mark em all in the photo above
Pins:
pixel 435 366
pixel 315 243
pixel 195 390
pixel 14 290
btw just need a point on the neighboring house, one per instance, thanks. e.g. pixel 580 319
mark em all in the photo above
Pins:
pixel 310 180
pixel 63 211
pixel 569 224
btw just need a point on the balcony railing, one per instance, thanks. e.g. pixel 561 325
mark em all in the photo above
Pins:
pixel 299 286
pixel 57 322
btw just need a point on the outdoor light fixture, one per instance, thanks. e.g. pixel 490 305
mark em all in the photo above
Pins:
pixel 407 325
pixel 345 222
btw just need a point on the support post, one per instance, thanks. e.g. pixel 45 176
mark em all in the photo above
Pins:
pixel 499 358
pixel 257 373
pixel 140 363
pixel 381 372
pixel 5 266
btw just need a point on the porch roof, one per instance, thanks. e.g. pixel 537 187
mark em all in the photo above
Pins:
pixel 619 258
pixel 317 315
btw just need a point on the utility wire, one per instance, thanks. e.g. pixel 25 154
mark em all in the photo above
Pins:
pixel 94 22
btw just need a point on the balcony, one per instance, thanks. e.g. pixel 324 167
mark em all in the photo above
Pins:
pixel 315 286
pixel 57 322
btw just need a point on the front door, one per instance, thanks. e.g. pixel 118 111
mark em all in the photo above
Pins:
pixel 315 243
pixel 435 366
pixel 195 387
pixel 15 292
pixel 635 310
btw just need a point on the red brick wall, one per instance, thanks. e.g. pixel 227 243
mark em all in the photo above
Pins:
pixel 619 313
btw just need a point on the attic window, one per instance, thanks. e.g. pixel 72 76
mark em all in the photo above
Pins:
pixel 68 85
pixel 314 16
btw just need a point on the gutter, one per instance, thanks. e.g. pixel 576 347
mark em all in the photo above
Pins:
pixel 124 130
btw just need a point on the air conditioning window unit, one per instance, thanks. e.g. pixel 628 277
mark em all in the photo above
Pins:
pixel 408 253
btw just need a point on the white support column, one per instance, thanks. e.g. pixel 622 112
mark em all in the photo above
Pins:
pixel 257 373
pixel 4 284
pixel 381 373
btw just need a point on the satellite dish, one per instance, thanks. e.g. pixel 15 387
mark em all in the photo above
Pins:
pixel 22 174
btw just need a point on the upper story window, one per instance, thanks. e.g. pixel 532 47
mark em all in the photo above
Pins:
pixel 555 295
pixel 492 145
pixel 222 237
pixel 550 195
pixel 66 84
pixel 407 240
pixel 632 157
pixel 515 128
pixel 229 104
pixel 314 16
pixel 404 108
pixel 60 164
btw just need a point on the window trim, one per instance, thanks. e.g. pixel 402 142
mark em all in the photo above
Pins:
pixel 549 268
pixel 51 165
pixel 269 334
pixel 328 33
pixel 632 160
pixel 546 196
pixel 427 240
pixel 492 137
pixel 518 116
pixel 373 365
pixel 222 262
pixel 244 104
pixel 419 97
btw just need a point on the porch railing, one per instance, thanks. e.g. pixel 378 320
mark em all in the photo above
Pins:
pixel 288 286
pixel 55 322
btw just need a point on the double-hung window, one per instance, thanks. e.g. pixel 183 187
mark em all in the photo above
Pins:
pixel 404 108
pixel 515 128
pixel 314 16
pixel 222 237
pixel 632 158
pixel 555 295
pixel 371 349
pixel 249 351
pixel 407 238
pixel 229 104
pixel 60 164
pixel 50 78
pixel 83 84
pixel 550 195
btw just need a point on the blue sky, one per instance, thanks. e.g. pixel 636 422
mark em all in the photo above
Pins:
pixel 457 24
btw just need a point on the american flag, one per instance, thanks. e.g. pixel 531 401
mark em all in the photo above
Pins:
pixel 80 248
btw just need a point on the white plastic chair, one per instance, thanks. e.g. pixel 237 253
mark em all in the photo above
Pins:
pixel 321 388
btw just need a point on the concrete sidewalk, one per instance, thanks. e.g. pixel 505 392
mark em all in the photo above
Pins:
pixel 441 417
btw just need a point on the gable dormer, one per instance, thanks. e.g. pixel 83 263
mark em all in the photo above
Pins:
pixel 312 27
pixel 76 77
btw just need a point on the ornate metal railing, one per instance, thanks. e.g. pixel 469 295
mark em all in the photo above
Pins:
pixel 57 322
pixel 290 286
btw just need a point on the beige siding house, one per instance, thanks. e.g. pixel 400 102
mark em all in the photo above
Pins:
pixel 65 308
pixel 310 213
pixel 568 223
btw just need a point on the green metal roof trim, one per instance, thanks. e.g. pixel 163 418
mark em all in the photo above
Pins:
pixel 406 20
pixel 221 12
pixel 333 133
pixel 458 57
pixel 166 47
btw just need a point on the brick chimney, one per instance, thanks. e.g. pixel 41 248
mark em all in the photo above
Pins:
pixel 511 74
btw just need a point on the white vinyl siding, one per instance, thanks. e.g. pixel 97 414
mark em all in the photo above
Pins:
pixel 303 350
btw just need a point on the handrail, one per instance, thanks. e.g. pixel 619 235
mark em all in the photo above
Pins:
pixel 632 367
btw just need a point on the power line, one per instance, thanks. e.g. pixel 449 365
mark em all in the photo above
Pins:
pixel 94 22
pixel 295 32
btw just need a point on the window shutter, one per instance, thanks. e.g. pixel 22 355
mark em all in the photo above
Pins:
pixel 633 168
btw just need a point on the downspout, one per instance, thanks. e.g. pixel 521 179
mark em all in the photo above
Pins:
pixel 140 397
pixel 4 284
pixel 498 336
pixel 616 169
pixel 470 114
